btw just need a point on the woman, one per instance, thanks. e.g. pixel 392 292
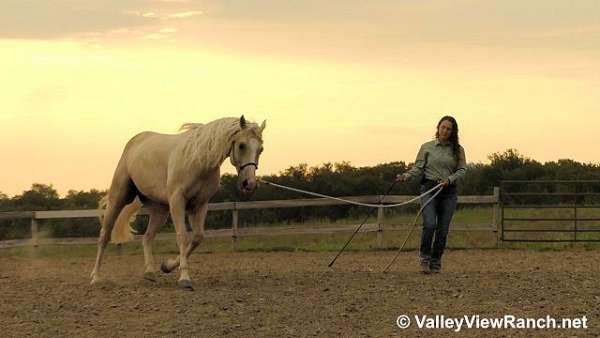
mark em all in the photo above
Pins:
pixel 441 160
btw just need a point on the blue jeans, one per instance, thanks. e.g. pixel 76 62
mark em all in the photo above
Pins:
pixel 436 222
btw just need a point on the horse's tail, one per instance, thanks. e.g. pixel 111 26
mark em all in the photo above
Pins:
pixel 122 231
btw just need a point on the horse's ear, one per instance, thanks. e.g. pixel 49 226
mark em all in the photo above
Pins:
pixel 243 122
pixel 263 125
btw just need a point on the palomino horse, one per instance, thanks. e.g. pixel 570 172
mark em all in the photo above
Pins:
pixel 178 174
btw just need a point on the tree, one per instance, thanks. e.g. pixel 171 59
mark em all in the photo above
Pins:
pixel 83 199
pixel 40 197
pixel 337 179
pixel 5 204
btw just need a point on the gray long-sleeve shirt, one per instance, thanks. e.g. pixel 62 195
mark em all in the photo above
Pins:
pixel 436 161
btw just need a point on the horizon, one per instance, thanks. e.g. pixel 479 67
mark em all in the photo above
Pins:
pixel 64 193
pixel 337 81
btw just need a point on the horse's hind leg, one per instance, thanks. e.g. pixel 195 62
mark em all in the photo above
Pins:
pixel 119 196
pixel 158 217
pixel 112 212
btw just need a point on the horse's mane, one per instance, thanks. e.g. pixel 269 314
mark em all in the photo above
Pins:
pixel 188 126
pixel 208 144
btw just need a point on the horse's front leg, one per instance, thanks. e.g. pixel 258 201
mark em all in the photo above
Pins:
pixel 198 218
pixel 177 204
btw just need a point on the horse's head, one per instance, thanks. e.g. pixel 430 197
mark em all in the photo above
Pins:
pixel 246 148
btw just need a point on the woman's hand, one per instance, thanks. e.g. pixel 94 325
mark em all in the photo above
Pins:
pixel 445 182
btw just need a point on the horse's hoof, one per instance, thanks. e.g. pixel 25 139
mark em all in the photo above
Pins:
pixel 164 268
pixel 185 284
pixel 94 280
pixel 150 276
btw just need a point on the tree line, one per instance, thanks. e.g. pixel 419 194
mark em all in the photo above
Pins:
pixel 337 179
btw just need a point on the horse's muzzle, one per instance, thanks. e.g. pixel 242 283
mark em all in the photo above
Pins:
pixel 247 186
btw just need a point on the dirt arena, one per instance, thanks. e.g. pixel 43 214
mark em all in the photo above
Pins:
pixel 295 295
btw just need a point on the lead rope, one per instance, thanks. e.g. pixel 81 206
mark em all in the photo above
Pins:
pixel 379 205
pixel 411 230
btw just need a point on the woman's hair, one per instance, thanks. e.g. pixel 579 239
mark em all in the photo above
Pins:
pixel 453 136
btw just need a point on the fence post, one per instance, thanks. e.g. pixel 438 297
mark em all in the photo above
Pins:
pixel 496 216
pixel 34 231
pixel 234 227
pixel 380 217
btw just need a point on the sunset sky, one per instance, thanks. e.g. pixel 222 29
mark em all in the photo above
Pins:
pixel 359 81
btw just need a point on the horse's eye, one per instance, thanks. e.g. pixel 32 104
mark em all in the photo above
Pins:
pixel 242 146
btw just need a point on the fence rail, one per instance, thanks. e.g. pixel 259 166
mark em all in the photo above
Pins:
pixel 235 232
pixel 518 194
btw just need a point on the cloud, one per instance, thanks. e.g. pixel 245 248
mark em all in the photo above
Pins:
pixel 28 19
pixel 380 28
pixel 168 30
pixel 154 36
pixel 60 19
pixel 185 15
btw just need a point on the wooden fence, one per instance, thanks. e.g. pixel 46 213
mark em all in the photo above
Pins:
pixel 236 232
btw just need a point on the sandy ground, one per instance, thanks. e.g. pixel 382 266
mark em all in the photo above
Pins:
pixel 296 295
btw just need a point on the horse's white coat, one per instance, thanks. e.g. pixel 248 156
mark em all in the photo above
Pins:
pixel 176 173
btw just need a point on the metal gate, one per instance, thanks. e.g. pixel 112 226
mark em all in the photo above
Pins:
pixel 550 211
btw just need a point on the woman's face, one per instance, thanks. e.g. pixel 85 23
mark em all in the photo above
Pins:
pixel 445 130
